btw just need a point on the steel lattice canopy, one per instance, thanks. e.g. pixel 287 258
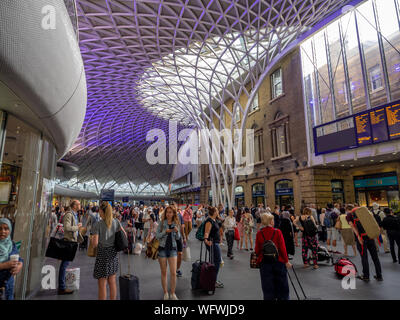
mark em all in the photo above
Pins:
pixel 150 61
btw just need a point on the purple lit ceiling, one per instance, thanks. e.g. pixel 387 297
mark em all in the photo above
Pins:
pixel 148 61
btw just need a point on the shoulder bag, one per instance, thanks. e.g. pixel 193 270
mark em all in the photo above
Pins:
pixel 121 241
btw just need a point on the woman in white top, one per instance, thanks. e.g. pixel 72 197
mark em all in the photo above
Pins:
pixel 229 226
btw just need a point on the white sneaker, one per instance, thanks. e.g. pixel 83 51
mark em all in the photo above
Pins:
pixel 166 296
pixel 174 297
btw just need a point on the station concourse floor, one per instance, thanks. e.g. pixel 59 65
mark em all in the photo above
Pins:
pixel 240 282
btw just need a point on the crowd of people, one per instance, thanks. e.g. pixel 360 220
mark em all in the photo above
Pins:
pixel 172 226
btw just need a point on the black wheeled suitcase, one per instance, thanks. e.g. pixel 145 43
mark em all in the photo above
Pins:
pixel 128 285
pixel 196 270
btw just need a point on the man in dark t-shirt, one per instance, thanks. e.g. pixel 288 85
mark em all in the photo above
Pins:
pixel 364 244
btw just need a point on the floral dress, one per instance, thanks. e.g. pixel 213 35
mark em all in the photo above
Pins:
pixel 248 225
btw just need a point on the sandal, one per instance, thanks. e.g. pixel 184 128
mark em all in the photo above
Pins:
pixel 315 266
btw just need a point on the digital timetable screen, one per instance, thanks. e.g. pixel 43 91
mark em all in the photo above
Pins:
pixel 393 119
pixel 365 128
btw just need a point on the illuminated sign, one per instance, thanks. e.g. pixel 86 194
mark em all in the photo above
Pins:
pixel 376 182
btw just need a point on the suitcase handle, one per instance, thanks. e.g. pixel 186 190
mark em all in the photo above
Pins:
pixel 205 255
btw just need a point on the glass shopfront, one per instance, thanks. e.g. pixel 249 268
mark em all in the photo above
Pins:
pixel 284 193
pixel 380 188
pixel 258 194
pixel 210 197
pixel 26 192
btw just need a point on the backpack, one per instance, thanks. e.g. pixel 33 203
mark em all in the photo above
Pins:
pixel 344 267
pixel 270 252
pixel 309 227
pixel 200 231
pixel 328 219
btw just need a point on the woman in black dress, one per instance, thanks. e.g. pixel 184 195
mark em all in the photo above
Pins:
pixel 287 231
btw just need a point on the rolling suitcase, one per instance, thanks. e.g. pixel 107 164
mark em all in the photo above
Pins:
pixel 208 275
pixel 196 270
pixel 128 284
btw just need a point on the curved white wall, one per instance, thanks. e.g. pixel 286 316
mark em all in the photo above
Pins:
pixel 42 77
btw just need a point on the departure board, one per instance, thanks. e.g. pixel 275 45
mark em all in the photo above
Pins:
pixel 363 129
pixel 393 119
pixel 378 125
pixel 373 126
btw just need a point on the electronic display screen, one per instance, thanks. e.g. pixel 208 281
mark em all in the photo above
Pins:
pixel 363 129
pixel 393 120
pixel 378 125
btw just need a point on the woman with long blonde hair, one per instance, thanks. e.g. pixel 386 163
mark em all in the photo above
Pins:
pixel 168 233
pixel 106 265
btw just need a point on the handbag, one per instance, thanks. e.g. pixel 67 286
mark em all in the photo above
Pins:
pixel 152 249
pixel 121 241
pixel 61 249
pixel 338 224
pixel 237 234
pixel 186 255
pixel 92 251
pixel 253 261
pixel 72 278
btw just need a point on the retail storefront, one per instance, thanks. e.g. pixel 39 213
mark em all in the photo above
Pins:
pixel 284 192
pixel 258 194
pixel 381 188
pixel 239 197
pixel 26 195
pixel 210 197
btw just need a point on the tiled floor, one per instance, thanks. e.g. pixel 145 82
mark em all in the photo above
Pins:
pixel 240 281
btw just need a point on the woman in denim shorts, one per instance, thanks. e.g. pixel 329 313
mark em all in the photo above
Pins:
pixel 168 232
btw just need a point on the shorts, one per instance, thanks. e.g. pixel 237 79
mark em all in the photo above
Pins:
pixel 139 225
pixel 258 220
pixel 332 233
pixel 162 253
pixel 179 245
